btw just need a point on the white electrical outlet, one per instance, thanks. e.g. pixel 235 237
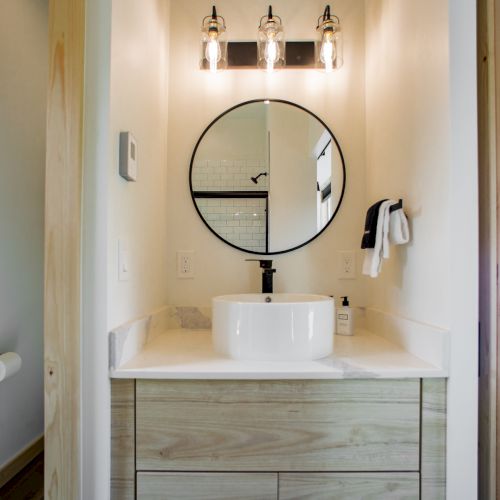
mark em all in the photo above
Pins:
pixel 185 264
pixel 347 265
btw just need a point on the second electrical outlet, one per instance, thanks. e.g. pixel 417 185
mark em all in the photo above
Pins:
pixel 185 264
pixel 347 260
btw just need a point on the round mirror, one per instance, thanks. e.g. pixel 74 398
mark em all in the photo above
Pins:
pixel 267 176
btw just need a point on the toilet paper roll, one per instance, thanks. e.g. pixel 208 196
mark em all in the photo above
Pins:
pixel 10 363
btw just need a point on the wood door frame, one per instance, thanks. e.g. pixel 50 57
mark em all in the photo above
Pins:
pixel 495 106
pixel 63 220
pixel 489 211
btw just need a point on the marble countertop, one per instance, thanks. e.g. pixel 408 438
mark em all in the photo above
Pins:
pixel 188 354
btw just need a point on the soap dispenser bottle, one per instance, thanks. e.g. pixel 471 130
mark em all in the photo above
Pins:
pixel 345 323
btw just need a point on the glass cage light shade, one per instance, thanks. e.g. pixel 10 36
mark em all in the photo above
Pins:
pixel 329 46
pixel 213 43
pixel 270 42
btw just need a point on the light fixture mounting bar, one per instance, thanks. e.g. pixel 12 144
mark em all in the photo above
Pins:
pixel 243 55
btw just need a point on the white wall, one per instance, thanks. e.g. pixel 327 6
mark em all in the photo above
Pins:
pixel 197 97
pixel 407 153
pixel 421 146
pixel 293 192
pixel 462 384
pixel 95 404
pixel 23 88
pixel 238 135
pixel 126 84
pixel 137 210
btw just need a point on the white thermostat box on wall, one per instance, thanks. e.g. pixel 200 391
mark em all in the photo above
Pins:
pixel 128 156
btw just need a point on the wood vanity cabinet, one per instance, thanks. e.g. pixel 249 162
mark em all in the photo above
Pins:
pixel 287 439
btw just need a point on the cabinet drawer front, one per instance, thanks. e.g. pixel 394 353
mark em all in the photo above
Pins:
pixel 356 486
pixel 211 486
pixel 346 425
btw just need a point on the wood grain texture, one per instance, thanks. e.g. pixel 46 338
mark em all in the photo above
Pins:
pixel 433 439
pixel 344 425
pixel 62 248
pixel 354 486
pixel 495 460
pixel 209 486
pixel 21 460
pixel 122 439
pixel 487 150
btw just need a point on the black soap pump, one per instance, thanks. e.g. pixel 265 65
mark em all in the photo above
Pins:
pixel 345 323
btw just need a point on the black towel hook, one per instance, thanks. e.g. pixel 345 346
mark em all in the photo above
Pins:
pixel 397 206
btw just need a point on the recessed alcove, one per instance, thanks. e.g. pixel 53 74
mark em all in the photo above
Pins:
pixel 396 108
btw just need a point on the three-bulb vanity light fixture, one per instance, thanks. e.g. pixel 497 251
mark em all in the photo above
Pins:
pixel 271 51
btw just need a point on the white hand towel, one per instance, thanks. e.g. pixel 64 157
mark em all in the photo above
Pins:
pixel 398 232
pixel 398 228
pixel 373 256
pixel 386 230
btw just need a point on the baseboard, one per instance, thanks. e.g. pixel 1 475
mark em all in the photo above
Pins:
pixel 21 460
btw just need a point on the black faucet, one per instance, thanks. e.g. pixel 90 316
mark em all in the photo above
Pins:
pixel 267 274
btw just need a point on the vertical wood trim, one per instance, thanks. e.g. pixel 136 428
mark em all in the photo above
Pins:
pixel 63 194
pixel 487 242
pixel 123 439
pixel 433 440
pixel 495 109
pixel 494 106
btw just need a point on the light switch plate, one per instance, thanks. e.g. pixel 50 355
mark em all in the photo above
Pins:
pixel 123 261
pixel 128 156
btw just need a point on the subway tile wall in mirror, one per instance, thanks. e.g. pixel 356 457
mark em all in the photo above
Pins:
pixel 240 221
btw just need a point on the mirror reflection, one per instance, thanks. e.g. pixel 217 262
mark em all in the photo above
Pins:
pixel 267 176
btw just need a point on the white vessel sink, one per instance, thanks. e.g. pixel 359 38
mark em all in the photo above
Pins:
pixel 273 327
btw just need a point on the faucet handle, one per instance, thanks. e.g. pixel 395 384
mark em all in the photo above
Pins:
pixel 264 264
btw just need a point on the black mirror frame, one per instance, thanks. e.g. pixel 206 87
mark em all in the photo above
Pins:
pixel 253 101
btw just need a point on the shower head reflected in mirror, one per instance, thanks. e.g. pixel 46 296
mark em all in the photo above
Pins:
pixel 255 180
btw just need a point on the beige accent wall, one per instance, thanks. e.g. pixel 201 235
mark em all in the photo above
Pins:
pixel 197 97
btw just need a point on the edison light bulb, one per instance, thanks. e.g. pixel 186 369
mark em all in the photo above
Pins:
pixel 327 53
pixel 271 53
pixel 213 53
